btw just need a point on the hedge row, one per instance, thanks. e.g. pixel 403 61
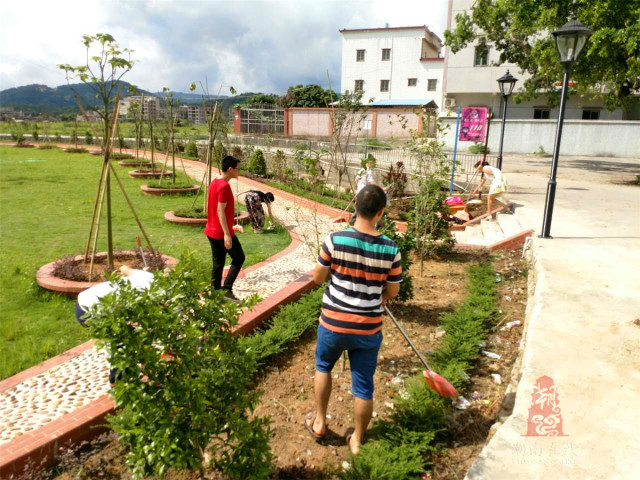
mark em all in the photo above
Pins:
pixel 398 447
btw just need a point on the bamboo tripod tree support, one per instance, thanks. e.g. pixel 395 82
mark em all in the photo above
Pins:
pixel 104 191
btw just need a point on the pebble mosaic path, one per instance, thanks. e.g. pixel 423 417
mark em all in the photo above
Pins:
pixel 36 401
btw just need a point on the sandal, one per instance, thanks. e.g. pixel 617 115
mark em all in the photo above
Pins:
pixel 349 433
pixel 309 419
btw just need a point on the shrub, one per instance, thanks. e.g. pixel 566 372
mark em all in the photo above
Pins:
pixel 88 138
pixel 257 163
pixel 396 179
pixel 279 164
pixel 406 243
pixel 192 149
pixel 34 135
pixel 478 148
pixel 185 380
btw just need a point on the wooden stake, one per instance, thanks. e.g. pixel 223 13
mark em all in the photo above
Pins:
pixel 95 208
pixel 115 175
pixel 95 239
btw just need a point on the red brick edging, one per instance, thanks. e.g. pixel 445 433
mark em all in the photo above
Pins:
pixel 47 280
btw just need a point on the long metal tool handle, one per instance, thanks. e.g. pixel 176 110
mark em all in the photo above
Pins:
pixel 404 334
pixel 144 260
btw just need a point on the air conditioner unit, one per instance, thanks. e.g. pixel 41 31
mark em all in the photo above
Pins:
pixel 450 102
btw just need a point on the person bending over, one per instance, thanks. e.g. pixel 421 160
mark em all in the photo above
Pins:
pixel 219 229
pixel 364 271
pixel 498 182
pixel 253 200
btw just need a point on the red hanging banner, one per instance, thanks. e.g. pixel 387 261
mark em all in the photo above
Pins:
pixel 473 124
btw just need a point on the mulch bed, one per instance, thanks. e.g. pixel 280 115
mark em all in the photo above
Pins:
pixel 76 270
pixel 288 381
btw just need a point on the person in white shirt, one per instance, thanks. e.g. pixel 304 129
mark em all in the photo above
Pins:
pixel 364 177
pixel 498 182
pixel 138 279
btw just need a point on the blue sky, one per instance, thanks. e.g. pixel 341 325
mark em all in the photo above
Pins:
pixel 253 45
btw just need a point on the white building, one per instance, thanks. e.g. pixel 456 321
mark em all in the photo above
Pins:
pixel 150 104
pixel 392 63
pixel 470 79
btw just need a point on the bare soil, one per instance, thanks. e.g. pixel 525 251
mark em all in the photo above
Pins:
pixel 78 271
pixel 287 382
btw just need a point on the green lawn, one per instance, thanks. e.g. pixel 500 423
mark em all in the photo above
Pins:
pixel 127 129
pixel 46 201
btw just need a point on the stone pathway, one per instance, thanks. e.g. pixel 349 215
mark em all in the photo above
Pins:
pixel 60 390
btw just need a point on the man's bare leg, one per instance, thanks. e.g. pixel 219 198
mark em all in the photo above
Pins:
pixel 322 388
pixel 362 411
pixel 489 202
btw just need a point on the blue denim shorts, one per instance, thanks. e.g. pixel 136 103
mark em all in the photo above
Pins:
pixel 363 357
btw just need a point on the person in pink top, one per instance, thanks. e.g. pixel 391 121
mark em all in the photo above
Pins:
pixel 219 229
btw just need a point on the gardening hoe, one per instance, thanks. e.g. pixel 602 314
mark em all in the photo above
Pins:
pixel 141 252
pixel 435 381
pixel 341 217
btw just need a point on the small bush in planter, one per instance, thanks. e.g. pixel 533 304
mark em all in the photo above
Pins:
pixel 188 212
pixel 257 164
pixel 88 138
pixel 185 385
pixel 192 149
pixel 165 184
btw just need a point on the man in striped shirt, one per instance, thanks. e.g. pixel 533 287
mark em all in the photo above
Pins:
pixel 363 269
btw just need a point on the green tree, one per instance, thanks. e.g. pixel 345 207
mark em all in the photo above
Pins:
pixel 520 31
pixel 261 99
pixel 192 149
pixel 428 219
pixel 308 96
pixel 257 163
pixel 185 385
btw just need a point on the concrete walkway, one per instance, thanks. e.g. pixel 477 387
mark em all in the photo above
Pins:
pixel 583 325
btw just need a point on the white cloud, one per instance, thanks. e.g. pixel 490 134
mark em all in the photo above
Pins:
pixel 254 45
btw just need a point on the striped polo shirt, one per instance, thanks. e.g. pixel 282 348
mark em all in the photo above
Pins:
pixel 360 266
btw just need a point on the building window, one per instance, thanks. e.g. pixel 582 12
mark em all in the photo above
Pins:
pixel 590 114
pixel 413 82
pixel 359 55
pixel 386 54
pixel 481 56
pixel 384 85
pixel 541 113
pixel 359 86
pixel 431 84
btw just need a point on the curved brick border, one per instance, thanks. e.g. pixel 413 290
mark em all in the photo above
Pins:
pixel 46 279
pixel 157 192
pixel 198 222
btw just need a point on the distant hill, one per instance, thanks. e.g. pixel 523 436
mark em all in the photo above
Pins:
pixel 50 99
pixel 37 98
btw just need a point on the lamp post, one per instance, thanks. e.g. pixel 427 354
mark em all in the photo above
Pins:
pixel 570 40
pixel 506 83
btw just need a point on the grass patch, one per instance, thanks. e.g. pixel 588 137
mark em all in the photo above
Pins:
pixel 398 447
pixel 47 202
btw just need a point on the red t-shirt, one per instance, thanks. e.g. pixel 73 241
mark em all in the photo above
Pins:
pixel 219 192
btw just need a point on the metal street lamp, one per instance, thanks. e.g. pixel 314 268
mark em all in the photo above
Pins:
pixel 506 83
pixel 570 41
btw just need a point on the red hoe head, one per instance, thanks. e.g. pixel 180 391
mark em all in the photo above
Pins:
pixel 439 384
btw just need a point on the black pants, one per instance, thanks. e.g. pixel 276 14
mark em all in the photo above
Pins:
pixel 219 254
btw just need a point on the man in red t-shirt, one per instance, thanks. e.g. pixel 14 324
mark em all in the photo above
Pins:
pixel 219 229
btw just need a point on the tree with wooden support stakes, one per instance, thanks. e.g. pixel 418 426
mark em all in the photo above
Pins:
pixel 105 66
